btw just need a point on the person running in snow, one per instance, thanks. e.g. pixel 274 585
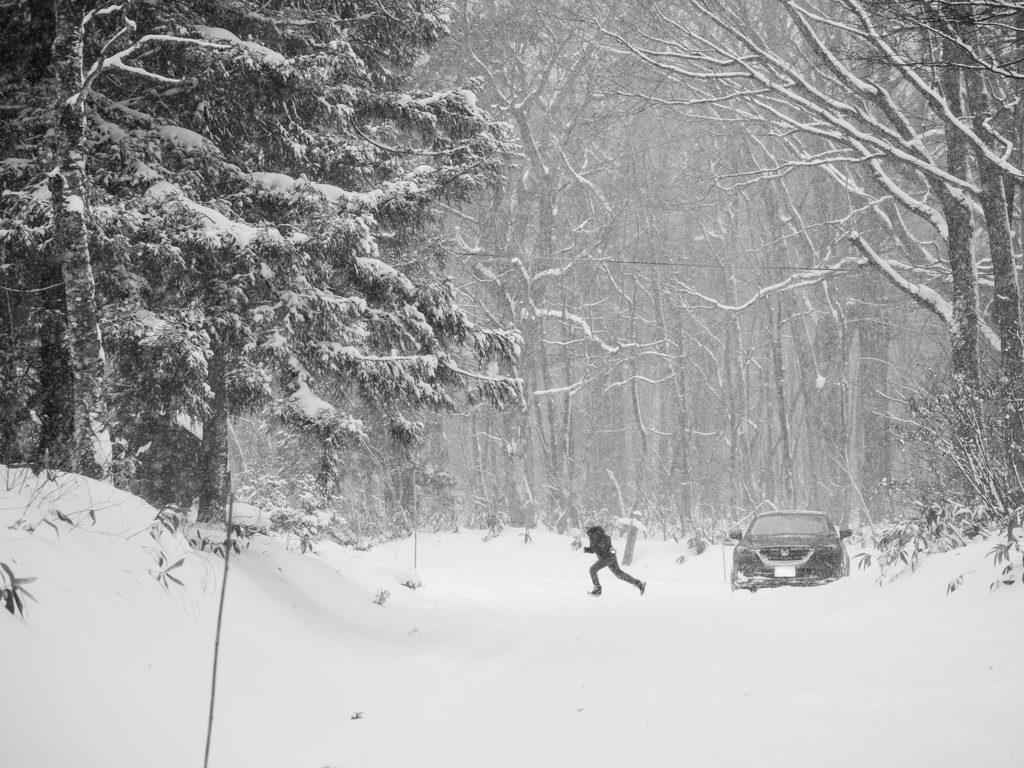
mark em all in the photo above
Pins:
pixel 601 545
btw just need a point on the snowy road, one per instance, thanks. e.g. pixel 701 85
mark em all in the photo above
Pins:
pixel 693 675
pixel 511 664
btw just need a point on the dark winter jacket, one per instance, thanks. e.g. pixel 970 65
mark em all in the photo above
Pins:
pixel 600 542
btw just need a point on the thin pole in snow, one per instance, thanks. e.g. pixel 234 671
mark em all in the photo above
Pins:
pixel 724 576
pixel 415 523
pixel 220 615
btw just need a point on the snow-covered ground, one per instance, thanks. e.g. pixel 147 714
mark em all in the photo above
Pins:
pixel 500 659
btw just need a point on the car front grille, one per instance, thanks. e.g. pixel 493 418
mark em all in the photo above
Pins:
pixel 784 554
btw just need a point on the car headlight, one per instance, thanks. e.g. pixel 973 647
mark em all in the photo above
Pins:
pixel 741 550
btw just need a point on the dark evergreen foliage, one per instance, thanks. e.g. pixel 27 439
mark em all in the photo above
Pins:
pixel 260 218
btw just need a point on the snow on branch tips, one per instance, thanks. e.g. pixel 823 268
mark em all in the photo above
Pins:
pixel 218 35
pixel 327 424
pixel 216 226
pixel 922 294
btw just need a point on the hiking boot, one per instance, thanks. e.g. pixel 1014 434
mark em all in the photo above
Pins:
pixel 643 586
pixel 595 593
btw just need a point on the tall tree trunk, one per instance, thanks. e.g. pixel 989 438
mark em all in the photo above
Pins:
pixel 963 330
pixel 1006 301
pixel 56 398
pixel 843 475
pixel 568 469
pixel 736 377
pixel 876 468
pixel 477 467
pixel 213 470
pixel 679 474
pixel 787 495
pixel 90 454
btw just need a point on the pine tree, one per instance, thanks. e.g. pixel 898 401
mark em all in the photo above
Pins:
pixel 259 207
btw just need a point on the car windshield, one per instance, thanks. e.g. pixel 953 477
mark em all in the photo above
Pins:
pixel 782 524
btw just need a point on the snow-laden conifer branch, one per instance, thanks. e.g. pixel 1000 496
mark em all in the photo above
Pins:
pixel 106 11
pixel 407 150
pixel 117 61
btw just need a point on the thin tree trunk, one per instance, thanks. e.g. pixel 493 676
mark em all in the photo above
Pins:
pixel 964 328
pixel 213 470
pixel 873 386
pixel 785 450
pixel 679 474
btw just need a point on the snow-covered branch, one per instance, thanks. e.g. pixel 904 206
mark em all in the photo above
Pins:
pixel 580 323
pixel 922 294
pixel 799 280
pixel 117 61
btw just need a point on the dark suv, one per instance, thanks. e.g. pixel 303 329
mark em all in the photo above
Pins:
pixel 791 547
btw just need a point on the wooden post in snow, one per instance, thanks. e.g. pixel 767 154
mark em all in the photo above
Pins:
pixel 627 556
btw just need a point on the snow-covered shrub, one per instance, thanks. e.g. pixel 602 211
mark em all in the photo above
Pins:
pixel 1004 553
pixel 968 445
pixel 173 519
pixel 296 508
pixel 250 516
pixel 696 545
pixel 308 528
pixel 381 597
pixel 208 541
pixel 163 573
pixel 903 543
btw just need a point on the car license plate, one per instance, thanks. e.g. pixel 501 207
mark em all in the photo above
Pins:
pixel 785 571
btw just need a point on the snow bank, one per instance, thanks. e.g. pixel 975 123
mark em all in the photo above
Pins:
pixel 111 668
pixel 115 655
pixel 27 499
pixel 250 515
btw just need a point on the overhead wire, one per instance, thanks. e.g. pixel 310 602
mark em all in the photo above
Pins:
pixel 695 264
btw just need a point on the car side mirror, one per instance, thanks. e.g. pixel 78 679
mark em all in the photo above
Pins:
pixel 735 534
pixel 845 533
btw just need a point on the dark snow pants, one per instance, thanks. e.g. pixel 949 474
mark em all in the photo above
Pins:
pixel 611 562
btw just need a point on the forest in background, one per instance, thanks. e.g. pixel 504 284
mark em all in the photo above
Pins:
pixel 505 263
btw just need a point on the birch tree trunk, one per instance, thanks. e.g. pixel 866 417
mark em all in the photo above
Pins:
pixel 90 451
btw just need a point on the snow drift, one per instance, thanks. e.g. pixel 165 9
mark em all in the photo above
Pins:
pixel 496 658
